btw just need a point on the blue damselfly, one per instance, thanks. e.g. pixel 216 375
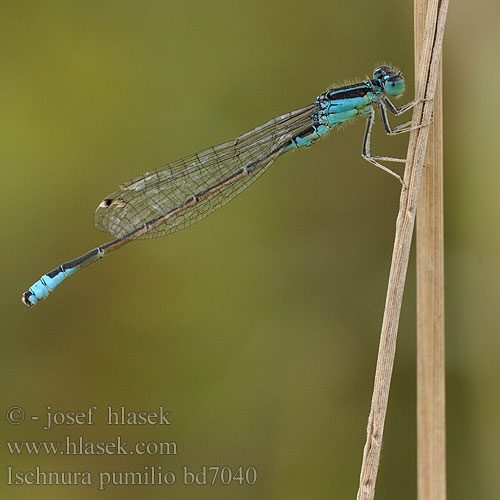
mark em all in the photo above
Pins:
pixel 185 191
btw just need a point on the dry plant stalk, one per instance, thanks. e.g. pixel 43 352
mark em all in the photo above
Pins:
pixel 431 422
pixel 426 87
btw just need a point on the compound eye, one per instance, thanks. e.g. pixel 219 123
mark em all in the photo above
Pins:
pixel 394 86
pixel 381 71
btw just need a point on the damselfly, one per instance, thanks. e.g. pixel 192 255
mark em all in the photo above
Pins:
pixel 185 191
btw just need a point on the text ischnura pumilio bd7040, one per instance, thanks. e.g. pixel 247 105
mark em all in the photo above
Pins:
pixel 185 191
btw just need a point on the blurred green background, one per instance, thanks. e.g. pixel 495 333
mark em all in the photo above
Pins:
pixel 258 327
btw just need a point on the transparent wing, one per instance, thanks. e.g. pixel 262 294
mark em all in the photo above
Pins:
pixel 161 191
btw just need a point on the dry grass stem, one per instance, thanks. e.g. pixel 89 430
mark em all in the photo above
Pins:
pixel 426 77
pixel 431 425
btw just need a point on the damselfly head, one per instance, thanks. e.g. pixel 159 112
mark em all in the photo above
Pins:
pixel 390 80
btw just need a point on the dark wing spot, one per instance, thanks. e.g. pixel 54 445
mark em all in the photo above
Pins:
pixel 118 202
